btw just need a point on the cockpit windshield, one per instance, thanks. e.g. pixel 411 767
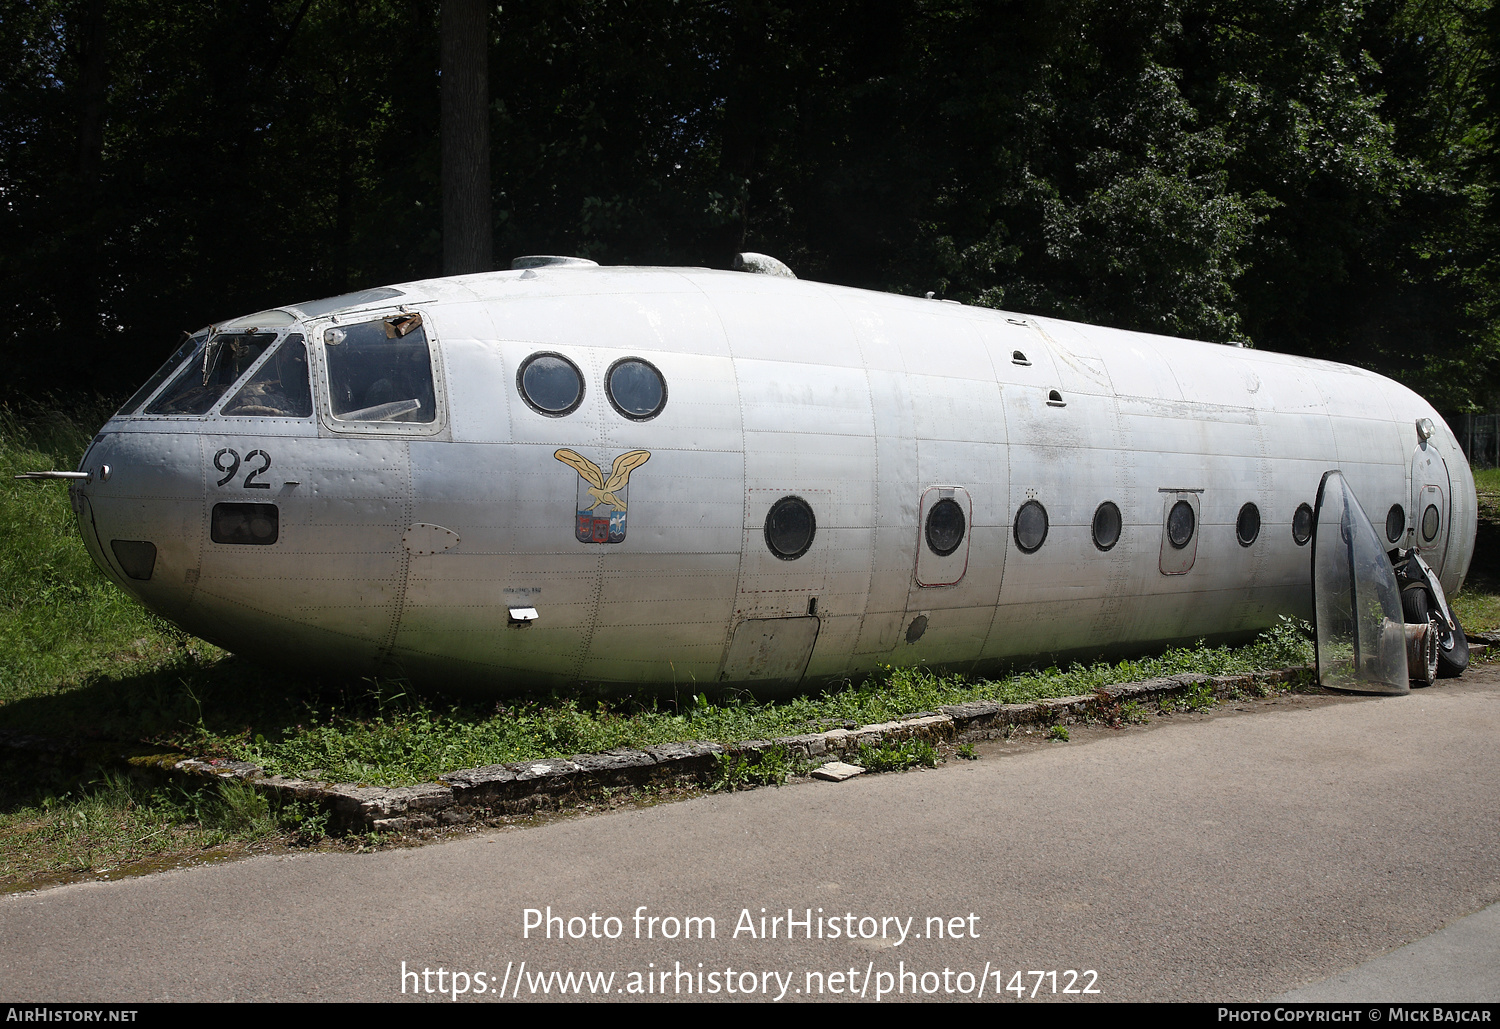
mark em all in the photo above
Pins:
pixel 213 367
pixel 279 388
pixel 188 346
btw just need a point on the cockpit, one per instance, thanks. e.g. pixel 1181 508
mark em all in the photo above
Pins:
pixel 375 369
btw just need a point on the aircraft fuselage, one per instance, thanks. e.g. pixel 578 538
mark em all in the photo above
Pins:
pixel 681 476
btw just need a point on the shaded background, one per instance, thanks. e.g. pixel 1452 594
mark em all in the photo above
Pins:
pixel 1312 177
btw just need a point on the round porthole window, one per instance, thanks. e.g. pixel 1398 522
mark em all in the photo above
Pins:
pixel 635 388
pixel 550 384
pixel 1247 525
pixel 1031 526
pixel 1430 522
pixel 945 526
pixel 1395 523
pixel 1180 524
pixel 1107 525
pixel 790 527
pixel 1302 525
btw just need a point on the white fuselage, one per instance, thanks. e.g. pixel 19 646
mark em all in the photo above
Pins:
pixel 424 547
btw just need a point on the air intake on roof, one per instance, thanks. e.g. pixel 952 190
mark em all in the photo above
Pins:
pixel 550 261
pixel 762 264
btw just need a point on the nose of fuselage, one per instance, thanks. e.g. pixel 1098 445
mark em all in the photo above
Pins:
pixel 141 520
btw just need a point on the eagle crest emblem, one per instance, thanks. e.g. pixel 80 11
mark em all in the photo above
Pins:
pixel 601 501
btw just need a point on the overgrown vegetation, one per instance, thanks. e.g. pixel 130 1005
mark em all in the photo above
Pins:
pixel 379 733
pixel 1478 605
pixel 897 757
pixel 771 767
pixel 60 620
pixel 118 823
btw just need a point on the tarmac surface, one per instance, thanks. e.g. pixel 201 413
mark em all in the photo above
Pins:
pixel 1300 848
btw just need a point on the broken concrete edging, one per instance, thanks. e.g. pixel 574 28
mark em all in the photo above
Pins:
pixel 525 786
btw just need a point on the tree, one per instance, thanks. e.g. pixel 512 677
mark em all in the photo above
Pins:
pixel 468 238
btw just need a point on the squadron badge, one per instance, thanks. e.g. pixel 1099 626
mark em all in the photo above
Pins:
pixel 601 501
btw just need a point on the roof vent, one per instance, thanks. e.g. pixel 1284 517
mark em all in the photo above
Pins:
pixel 761 264
pixel 551 261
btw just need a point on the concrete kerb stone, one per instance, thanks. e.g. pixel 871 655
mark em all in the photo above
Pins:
pixel 525 786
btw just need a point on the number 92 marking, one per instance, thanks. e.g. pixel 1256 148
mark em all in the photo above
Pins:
pixel 231 467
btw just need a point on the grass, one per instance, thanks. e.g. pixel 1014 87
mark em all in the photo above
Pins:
pixel 897 757
pixel 743 772
pixel 1478 604
pixel 379 733
pixel 60 620
pixel 121 824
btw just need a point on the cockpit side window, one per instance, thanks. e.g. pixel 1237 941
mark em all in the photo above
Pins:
pixel 279 389
pixel 209 373
pixel 380 371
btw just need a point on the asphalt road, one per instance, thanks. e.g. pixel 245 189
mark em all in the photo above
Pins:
pixel 1232 857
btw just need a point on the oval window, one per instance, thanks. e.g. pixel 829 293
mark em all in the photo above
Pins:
pixel 635 388
pixel 1031 526
pixel 1107 525
pixel 1395 523
pixel 945 526
pixel 550 384
pixel 1302 525
pixel 1180 524
pixel 790 527
pixel 1247 525
pixel 1430 522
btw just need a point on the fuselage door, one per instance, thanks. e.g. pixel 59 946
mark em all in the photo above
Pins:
pixel 1429 507
pixel 1179 531
pixel 771 653
pixel 943 524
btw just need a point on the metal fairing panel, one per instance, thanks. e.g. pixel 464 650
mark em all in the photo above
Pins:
pixel 339 565
pixel 408 545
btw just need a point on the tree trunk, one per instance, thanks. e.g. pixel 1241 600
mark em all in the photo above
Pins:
pixel 468 238
pixel 80 296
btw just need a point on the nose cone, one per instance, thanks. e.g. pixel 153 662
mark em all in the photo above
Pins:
pixel 142 524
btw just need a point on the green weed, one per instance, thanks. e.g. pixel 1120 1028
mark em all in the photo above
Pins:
pixel 746 771
pixel 897 757
pixel 1200 697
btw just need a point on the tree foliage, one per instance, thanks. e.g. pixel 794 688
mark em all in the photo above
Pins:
pixel 1311 176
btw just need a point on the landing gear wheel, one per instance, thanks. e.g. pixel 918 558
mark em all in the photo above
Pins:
pixel 1414 604
pixel 1453 647
pixel 1453 650
pixel 1421 660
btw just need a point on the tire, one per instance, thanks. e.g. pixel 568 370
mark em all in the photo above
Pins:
pixel 1453 647
pixel 1415 609
pixel 1414 604
pixel 1453 650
